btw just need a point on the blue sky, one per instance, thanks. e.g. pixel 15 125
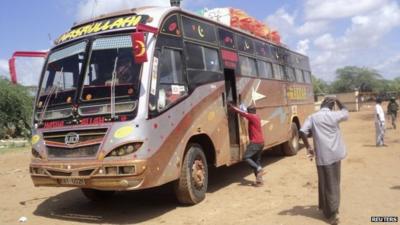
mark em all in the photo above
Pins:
pixel 333 33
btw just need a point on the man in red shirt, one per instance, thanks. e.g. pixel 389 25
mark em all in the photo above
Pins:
pixel 254 149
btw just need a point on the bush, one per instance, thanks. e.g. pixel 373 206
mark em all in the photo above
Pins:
pixel 15 110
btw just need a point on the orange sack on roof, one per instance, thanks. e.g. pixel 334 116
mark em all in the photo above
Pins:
pixel 239 19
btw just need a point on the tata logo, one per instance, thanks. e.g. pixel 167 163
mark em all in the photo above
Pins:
pixel 71 138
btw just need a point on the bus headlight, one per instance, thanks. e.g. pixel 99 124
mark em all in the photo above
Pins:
pixel 125 149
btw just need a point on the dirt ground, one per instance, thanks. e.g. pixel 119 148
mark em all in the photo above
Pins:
pixel 370 187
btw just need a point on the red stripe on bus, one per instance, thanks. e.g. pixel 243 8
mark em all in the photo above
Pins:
pixel 229 55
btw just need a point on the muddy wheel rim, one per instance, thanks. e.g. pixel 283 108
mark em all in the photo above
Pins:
pixel 198 173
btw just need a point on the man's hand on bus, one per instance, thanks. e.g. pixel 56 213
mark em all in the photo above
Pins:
pixel 231 106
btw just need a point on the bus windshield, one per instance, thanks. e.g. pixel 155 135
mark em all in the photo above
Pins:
pixel 60 81
pixel 112 78
pixel 110 82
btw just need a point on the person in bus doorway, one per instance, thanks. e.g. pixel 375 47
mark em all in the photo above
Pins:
pixel 392 109
pixel 323 127
pixel 379 123
pixel 254 149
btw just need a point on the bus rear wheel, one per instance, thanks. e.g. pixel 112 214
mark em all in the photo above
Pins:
pixel 291 147
pixel 97 195
pixel 191 186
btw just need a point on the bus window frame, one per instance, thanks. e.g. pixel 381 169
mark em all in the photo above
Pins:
pixel 179 24
pixel 185 37
pixel 288 78
pixel 240 68
pixel 87 64
pixel 258 70
pixel 80 76
pixel 238 36
pixel 234 38
pixel 298 71
pixel 307 74
pixel 156 112
pixel 216 48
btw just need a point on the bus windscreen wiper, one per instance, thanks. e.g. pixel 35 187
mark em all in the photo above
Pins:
pixel 54 89
pixel 114 75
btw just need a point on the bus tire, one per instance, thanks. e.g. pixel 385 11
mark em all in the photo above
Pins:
pixel 292 146
pixel 97 195
pixel 191 186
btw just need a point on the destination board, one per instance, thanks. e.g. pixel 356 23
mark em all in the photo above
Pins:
pixel 111 24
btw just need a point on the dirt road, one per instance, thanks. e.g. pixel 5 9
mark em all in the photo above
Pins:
pixel 370 187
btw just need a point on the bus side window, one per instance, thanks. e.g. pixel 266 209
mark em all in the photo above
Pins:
pixel 278 73
pixel 290 73
pixel 202 64
pixel 264 69
pixel 307 77
pixel 299 75
pixel 248 66
pixel 172 84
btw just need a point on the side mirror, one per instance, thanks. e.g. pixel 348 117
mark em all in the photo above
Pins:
pixel 139 47
pixel 29 55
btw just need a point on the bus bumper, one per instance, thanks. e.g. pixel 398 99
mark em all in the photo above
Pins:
pixel 124 176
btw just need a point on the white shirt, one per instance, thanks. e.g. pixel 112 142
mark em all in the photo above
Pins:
pixel 379 113
pixel 324 127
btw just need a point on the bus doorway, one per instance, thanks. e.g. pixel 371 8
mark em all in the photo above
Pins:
pixel 233 123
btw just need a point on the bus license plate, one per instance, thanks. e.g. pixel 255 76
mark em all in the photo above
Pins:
pixel 72 181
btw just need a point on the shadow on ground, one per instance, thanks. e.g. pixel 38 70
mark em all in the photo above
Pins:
pixel 307 211
pixel 139 206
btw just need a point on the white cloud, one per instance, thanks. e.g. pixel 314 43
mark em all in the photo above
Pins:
pixel 334 9
pixel 283 22
pixel 391 65
pixel 325 41
pixel 91 8
pixel 358 43
pixel 303 46
pixel 312 28
pixel 369 29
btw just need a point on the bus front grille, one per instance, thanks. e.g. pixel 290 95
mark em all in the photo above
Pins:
pixel 79 152
pixel 85 136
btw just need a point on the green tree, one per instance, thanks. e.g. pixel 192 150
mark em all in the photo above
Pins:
pixel 15 110
pixel 320 86
pixel 393 85
pixel 352 78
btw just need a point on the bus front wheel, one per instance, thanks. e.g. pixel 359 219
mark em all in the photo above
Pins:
pixel 96 195
pixel 291 147
pixel 191 186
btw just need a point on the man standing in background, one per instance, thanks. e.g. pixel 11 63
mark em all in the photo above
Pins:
pixel 392 109
pixel 329 147
pixel 379 123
